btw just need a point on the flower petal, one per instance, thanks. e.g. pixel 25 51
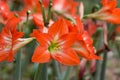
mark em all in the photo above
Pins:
pixel 37 18
pixel 10 29
pixel 115 18
pixel 10 56
pixel 66 57
pixel 79 25
pixel 3 56
pixel 41 55
pixel 84 47
pixel 58 28
pixel 80 48
pixel 67 40
pixel 109 3
pixel 42 38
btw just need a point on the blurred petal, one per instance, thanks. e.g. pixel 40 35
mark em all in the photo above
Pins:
pixel 84 47
pixel 79 25
pixel 67 40
pixel 42 38
pixel 66 57
pixel 58 28
pixel 81 10
pixel 37 18
pixel 41 55
pixel 109 3
pixel 80 48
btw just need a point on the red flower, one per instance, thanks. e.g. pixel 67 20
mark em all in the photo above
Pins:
pixel 108 12
pixel 10 40
pixel 83 46
pixel 55 44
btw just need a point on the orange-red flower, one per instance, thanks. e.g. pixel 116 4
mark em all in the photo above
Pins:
pixel 56 44
pixel 108 12
pixel 83 46
pixel 10 40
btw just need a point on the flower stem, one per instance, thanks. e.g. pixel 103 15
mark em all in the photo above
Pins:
pixel 103 67
pixel 44 73
pixel 98 70
pixel 56 70
pixel 43 13
pixel 77 71
pixel 67 73
pixel 98 43
pixel 18 66
pixel 38 72
pixel 49 11
pixel 41 73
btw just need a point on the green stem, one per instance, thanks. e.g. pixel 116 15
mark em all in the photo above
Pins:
pixel 77 71
pixel 44 73
pixel 41 73
pixel 49 11
pixel 29 50
pixel 43 13
pixel 27 17
pixel 38 72
pixel 67 73
pixel 98 43
pixel 18 66
pixel 103 68
pixel 56 70
pixel 98 70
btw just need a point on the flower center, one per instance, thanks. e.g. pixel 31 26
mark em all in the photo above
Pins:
pixel 53 47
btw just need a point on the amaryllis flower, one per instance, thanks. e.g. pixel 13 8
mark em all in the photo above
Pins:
pixel 84 44
pixel 108 12
pixel 10 40
pixel 56 44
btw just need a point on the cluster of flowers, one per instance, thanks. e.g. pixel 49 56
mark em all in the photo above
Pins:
pixel 61 40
